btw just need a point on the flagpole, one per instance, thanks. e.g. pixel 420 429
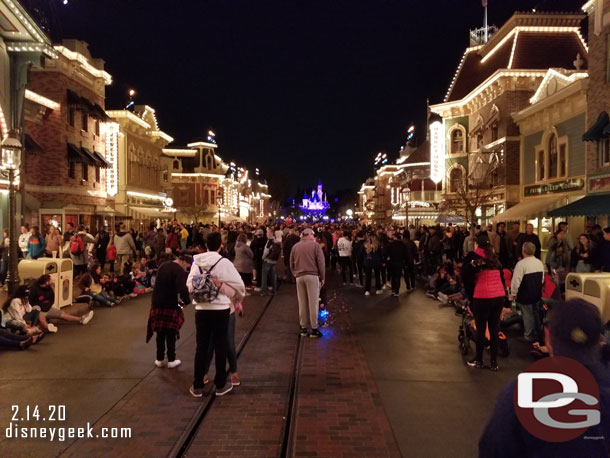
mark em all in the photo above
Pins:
pixel 427 119
pixel 485 21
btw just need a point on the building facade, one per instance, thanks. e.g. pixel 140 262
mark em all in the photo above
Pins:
pixel 495 79
pixel 65 125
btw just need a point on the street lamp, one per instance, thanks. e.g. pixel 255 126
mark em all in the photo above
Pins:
pixel 11 161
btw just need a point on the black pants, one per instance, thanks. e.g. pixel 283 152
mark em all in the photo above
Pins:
pixel 259 272
pixel 409 273
pixel 346 267
pixel 395 275
pixel 246 278
pixel 360 268
pixel 167 336
pixel 79 269
pixel 487 314
pixel 368 272
pixel 211 325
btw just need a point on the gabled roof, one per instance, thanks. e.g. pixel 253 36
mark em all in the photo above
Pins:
pixel 528 41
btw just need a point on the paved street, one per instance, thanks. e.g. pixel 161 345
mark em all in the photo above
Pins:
pixel 381 355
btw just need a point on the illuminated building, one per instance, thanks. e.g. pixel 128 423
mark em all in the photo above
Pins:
pixel 316 205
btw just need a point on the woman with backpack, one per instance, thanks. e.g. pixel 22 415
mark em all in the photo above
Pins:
pixel 489 298
pixel 372 264
pixel 78 250
pixel 36 244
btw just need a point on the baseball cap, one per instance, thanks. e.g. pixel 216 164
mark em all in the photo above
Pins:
pixel 575 327
pixel 308 231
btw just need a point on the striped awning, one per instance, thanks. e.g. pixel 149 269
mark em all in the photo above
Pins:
pixel 597 130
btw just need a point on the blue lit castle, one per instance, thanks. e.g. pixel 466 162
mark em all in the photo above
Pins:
pixel 317 204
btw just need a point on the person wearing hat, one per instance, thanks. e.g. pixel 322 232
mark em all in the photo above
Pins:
pixel 308 266
pixel 574 331
pixel 258 247
pixel 166 317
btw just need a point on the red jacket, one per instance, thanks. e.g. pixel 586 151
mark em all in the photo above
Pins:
pixel 488 284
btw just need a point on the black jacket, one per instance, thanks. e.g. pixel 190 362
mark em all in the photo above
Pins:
pixel 290 241
pixel 397 253
pixel 171 282
pixel 258 246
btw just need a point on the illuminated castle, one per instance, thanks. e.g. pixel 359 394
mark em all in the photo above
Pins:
pixel 317 203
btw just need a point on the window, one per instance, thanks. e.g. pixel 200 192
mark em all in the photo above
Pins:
pixel 456 178
pixel 213 197
pixel 97 127
pixel 540 165
pixel 563 162
pixel 176 164
pixel 494 132
pixel 72 170
pixel 553 159
pixel 71 117
pixel 97 175
pixel 85 172
pixel 209 162
pixel 165 176
pixel 603 147
pixel 85 118
pixel 457 141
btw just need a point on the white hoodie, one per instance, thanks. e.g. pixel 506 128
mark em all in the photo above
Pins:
pixel 224 271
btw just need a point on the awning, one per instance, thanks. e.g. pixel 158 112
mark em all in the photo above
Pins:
pixel 447 219
pixel 93 160
pixel 102 162
pixel 98 112
pixel 530 209
pixel 597 130
pixel 104 210
pixel 31 146
pixel 154 212
pixel 78 102
pixel 591 205
pixel 76 154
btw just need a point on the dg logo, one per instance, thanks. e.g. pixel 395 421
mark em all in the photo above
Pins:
pixel 557 399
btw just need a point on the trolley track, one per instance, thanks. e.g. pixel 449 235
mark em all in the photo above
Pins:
pixel 286 439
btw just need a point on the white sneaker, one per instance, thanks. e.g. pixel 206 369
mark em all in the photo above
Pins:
pixel 174 363
pixel 159 363
pixel 86 318
pixel 257 289
pixel 51 327
pixel 367 293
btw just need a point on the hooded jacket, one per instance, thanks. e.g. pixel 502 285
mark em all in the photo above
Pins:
pixel 224 271
pixel 124 243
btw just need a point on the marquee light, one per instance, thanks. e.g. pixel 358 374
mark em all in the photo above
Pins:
pixel 512 51
pixel 162 198
pixel 461 64
pixel 541 91
pixel 39 99
pixel 73 55
pixel 129 115
pixel 437 151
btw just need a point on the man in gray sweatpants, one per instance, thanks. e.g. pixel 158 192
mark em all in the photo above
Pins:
pixel 307 265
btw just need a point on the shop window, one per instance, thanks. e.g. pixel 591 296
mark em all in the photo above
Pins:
pixel 85 119
pixel 85 168
pixel 97 175
pixel 72 170
pixel 540 163
pixel 553 156
pixel 71 116
pixel 456 178
pixel 457 141
pixel 603 147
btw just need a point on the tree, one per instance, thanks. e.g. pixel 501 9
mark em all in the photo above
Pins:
pixel 466 192
pixel 203 213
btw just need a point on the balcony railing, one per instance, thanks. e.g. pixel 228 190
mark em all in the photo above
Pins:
pixel 426 196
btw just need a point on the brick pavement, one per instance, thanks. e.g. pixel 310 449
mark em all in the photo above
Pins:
pixel 159 407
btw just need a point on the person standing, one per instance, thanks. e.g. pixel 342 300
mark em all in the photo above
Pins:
pixel 358 256
pixel 372 265
pixel 499 242
pixel 184 235
pixel 605 256
pixel 244 259
pixel 309 268
pixel 527 236
pixel 344 248
pixel 24 237
pixel 488 300
pixel 291 240
pixel 166 317
pixel 258 247
pixel 271 254
pixel 397 258
pixel 412 258
pixel 101 244
pixel 78 250
pixel 526 288
pixel 582 255
pixel 125 247
pixel 36 244
pixel 212 318
pixel 53 242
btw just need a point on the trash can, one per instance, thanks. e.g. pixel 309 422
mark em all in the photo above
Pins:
pixel 575 282
pixel 597 292
pixel 66 281
pixel 31 270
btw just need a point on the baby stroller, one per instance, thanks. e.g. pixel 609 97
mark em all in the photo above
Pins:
pixel 468 332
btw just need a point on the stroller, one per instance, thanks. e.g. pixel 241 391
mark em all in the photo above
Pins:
pixel 468 332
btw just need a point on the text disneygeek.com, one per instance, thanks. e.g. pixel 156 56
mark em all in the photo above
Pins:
pixel 18 430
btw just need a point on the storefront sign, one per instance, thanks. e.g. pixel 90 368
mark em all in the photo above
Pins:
pixel 599 184
pixel 112 156
pixel 573 184
pixel 437 151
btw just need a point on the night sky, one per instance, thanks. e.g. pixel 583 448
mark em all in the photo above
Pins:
pixel 310 88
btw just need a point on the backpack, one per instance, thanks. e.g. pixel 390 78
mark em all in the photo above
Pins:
pixel 77 246
pixel 204 289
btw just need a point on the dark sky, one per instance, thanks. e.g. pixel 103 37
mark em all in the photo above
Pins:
pixel 311 88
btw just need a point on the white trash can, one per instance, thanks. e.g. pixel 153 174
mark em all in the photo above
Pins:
pixel 597 292
pixel 31 270
pixel 575 283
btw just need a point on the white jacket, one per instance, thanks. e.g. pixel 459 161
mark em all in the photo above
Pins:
pixel 224 271
pixel 344 247
pixel 23 241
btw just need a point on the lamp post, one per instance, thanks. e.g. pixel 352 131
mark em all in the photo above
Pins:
pixel 11 161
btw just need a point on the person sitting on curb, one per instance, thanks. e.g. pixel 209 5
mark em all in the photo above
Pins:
pixel 42 298
pixel 90 284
